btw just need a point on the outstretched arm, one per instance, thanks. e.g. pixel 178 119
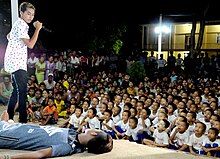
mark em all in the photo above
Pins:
pixel 31 155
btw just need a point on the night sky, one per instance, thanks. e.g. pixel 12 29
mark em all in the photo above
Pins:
pixel 68 19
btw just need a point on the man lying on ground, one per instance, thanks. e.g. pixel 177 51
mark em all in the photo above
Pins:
pixel 48 141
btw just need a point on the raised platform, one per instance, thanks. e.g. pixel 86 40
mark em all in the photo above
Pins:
pixel 124 149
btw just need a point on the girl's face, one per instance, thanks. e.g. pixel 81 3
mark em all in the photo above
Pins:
pixel 45 94
pixel 216 124
pixel 50 102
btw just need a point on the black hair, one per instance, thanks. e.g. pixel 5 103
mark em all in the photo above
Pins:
pixel 147 110
pixel 100 144
pixel 109 111
pixel 128 104
pixel 203 124
pixel 129 113
pixel 193 114
pixel 167 123
pixel 93 110
pixel 23 6
pixel 215 130
pixel 134 119
pixel 80 108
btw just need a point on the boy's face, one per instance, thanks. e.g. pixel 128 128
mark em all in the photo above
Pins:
pixel 90 113
pixel 211 135
pixel 161 126
pixel 28 15
pixel 78 112
pixel 72 108
pixel 189 117
pixel 132 124
pixel 143 114
pixel 161 116
pixel 124 116
pixel 199 129
pixel 107 116
pixel 181 127
pixel 216 124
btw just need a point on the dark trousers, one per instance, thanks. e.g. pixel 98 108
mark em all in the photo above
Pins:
pixel 19 94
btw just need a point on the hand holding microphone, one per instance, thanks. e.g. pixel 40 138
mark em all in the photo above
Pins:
pixel 38 25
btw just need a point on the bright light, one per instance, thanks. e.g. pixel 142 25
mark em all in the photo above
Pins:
pixel 163 29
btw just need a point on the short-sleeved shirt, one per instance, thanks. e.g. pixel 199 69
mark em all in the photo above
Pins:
pixel 33 137
pixel 161 137
pixel 16 51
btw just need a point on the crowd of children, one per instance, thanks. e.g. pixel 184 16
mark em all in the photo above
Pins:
pixel 181 113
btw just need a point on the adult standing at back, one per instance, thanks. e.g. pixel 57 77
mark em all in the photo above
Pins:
pixel 15 61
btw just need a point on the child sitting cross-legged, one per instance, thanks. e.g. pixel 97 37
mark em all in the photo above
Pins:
pixel 50 114
pixel 211 145
pixel 179 136
pixel 160 136
pixel 132 132
pixel 76 119
pixel 122 126
pixel 107 123
pixel 196 139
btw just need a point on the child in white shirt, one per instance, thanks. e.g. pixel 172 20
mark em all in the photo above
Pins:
pixel 161 138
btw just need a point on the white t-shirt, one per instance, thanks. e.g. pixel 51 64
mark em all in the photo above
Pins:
pixel 196 142
pixel 147 122
pixel 161 137
pixel 180 139
pixel 16 51
pixel 122 125
pixel 132 132
pixel 75 121
pixel 110 123
pixel 93 123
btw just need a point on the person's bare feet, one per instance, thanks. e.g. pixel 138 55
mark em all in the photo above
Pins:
pixel 5 116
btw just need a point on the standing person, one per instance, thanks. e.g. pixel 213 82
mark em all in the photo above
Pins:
pixel 15 61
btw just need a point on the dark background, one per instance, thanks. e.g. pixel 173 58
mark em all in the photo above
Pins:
pixel 72 20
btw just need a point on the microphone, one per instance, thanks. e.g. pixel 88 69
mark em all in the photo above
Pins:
pixel 46 29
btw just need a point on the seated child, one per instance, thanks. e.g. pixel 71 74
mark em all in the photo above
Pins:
pixel 179 136
pixel 76 119
pixel 107 123
pixel 197 138
pixel 91 121
pixel 122 126
pixel 211 145
pixel 160 136
pixel 131 133
pixel 50 114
